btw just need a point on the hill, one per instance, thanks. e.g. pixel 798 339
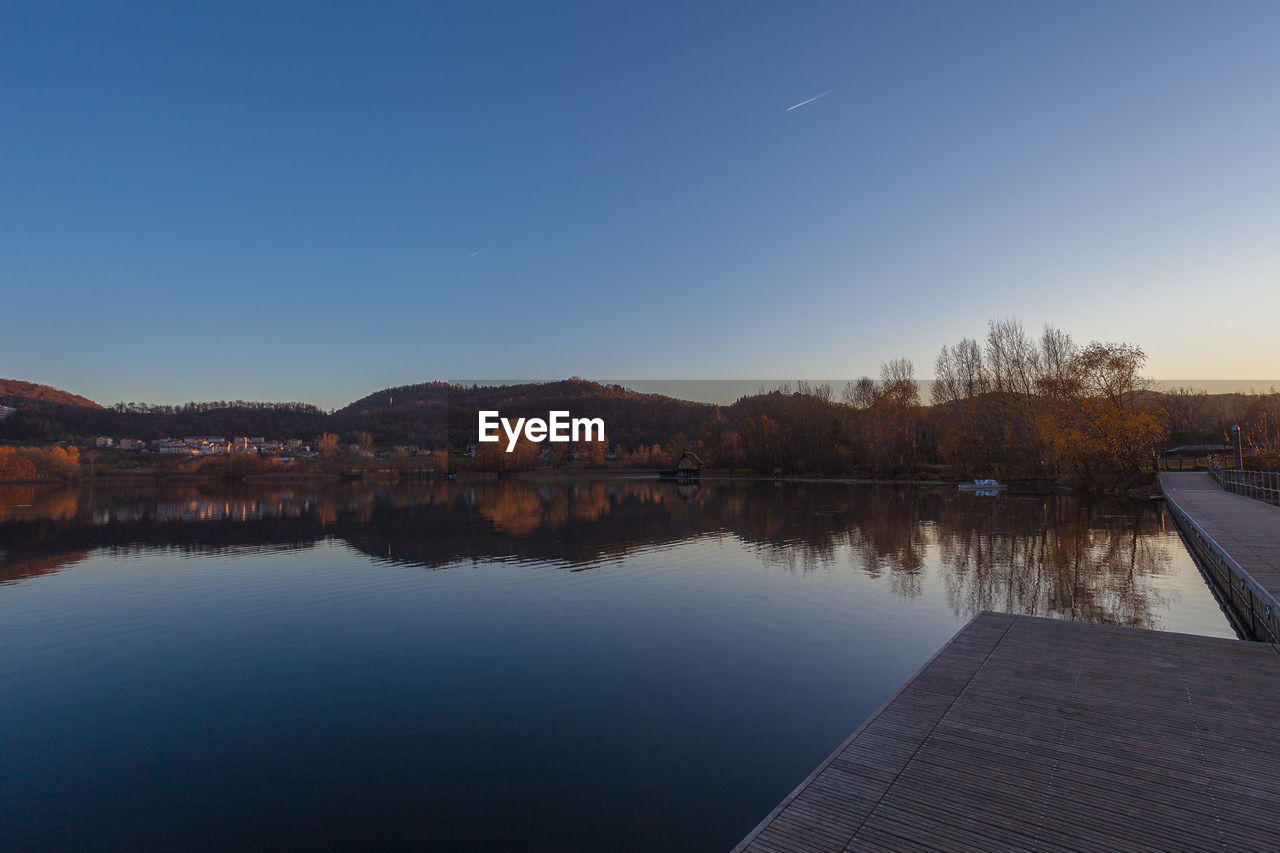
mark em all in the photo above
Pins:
pixel 15 392
pixel 400 398
pixel 425 413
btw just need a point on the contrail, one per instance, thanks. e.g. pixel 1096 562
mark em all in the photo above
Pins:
pixel 473 254
pixel 810 101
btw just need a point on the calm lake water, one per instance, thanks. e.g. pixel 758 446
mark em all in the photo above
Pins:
pixel 530 664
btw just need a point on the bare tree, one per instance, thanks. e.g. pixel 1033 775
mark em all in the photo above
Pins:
pixel 1056 359
pixel 898 379
pixel 895 411
pixel 959 373
pixel 1185 412
pixel 945 387
pixel 1012 360
pixel 1112 371
pixel 861 394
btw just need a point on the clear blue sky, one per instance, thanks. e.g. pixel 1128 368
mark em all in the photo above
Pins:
pixel 265 201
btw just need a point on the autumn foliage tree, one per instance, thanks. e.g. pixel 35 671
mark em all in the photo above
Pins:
pixel 1261 425
pixel 494 456
pixel 327 444
pixel 1092 420
pixel 15 466
pixel 23 463
pixel 1015 406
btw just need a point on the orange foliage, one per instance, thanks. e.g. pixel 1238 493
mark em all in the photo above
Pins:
pixel 14 466
pixel 21 463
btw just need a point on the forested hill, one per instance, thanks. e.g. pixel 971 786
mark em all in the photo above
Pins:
pixel 14 392
pixel 424 414
pixel 402 397
pixel 631 418
pixel 47 422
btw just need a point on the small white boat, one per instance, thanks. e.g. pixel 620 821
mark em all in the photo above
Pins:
pixel 983 487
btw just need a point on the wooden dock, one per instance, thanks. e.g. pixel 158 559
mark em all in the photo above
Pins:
pixel 1236 541
pixel 1026 733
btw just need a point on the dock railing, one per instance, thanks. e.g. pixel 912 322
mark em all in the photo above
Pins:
pixel 1251 608
pixel 1259 485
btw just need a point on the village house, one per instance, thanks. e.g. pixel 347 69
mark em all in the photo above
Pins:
pixel 173 447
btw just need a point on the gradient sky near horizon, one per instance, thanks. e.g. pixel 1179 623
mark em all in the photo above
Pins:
pixel 314 201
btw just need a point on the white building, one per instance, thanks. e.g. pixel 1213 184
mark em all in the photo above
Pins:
pixel 177 448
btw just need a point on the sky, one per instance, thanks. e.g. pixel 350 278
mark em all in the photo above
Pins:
pixel 312 201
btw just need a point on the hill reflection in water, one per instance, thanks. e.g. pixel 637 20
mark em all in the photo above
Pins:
pixel 1057 555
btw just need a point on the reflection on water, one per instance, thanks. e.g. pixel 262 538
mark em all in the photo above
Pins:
pixel 477 664
pixel 1048 555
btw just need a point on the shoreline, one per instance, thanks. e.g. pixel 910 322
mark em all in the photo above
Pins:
pixel 1044 486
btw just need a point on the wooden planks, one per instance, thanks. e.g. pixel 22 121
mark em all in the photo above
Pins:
pixel 1028 733
pixel 1246 529
pixel 1236 540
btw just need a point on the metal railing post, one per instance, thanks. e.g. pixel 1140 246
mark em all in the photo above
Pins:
pixel 1256 485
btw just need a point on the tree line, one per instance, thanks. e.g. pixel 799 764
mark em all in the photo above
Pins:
pixel 1007 404
pixel 29 463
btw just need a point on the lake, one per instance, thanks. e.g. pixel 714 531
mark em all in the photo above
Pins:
pixel 538 664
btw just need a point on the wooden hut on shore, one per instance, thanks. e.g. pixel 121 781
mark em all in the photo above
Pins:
pixel 688 467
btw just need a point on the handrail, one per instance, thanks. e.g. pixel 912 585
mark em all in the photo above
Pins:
pixel 1248 603
pixel 1259 485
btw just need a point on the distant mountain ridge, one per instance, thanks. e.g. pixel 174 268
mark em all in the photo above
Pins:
pixel 433 414
pixel 426 414
pixel 15 392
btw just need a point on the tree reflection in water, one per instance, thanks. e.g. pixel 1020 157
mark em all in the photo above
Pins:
pixel 1100 561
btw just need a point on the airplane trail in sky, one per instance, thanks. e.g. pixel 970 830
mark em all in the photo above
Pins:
pixel 810 101
pixel 473 254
